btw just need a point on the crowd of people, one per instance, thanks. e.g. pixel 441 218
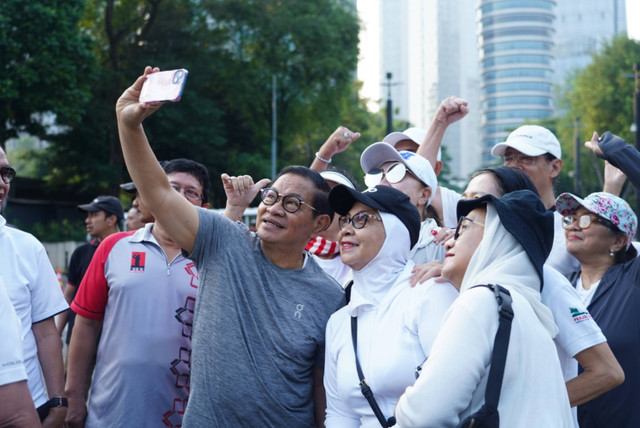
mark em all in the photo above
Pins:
pixel 405 304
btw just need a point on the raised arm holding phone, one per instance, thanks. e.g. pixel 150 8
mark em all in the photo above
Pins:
pixel 262 303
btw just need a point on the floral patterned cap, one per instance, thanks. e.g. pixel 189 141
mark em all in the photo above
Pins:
pixel 607 206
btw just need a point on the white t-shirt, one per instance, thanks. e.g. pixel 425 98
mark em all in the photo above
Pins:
pixel 578 330
pixel 394 337
pixel 333 267
pixel 559 258
pixel 34 291
pixel 425 249
pixel 586 295
pixel 454 379
pixel 450 200
pixel 11 363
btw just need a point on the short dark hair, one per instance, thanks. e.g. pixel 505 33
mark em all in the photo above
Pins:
pixel 194 168
pixel 320 199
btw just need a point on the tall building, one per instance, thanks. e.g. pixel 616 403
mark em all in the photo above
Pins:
pixel 581 29
pixel 506 57
pixel 430 49
pixel 516 40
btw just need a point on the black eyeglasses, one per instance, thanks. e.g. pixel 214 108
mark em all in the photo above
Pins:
pixel 357 220
pixel 7 174
pixel 290 203
pixel 521 159
pixel 462 225
pixel 585 221
pixel 189 193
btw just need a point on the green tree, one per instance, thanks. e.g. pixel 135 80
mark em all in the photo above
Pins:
pixel 232 50
pixel 47 66
pixel 601 95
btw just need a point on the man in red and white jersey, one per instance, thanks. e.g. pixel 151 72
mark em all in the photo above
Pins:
pixel 140 291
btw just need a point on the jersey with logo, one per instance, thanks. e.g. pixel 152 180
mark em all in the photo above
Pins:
pixel 146 302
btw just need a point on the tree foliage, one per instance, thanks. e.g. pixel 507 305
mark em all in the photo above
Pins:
pixel 232 49
pixel 47 65
pixel 601 96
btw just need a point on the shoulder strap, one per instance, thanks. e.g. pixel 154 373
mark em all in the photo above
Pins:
pixel 364 387
pixel 347 292
pixel 500 344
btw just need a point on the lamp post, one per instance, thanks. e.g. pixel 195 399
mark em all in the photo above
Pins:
pixel 389 105
pixel 274 115
pixel 576 139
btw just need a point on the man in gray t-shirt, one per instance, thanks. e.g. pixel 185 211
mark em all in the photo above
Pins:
pixel 262 305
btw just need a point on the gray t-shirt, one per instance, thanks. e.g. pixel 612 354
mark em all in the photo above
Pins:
pixel 258 332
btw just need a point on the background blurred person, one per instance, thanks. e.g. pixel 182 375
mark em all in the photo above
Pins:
pixel 104 215
pixel 412 175
pixel 133 221
pixel 537 152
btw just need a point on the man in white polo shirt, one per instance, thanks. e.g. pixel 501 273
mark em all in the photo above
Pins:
pixel 537 152
pixel 17 409
pixel 36 295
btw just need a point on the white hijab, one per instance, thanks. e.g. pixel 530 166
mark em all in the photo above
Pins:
pixel 389 267
pixel 500 259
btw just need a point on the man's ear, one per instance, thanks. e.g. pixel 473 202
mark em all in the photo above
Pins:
pixel 556 167
pixel 425 194
pixel 321 222
pixel 438 168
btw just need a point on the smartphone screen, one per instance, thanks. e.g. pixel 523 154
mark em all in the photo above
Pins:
pixel 163 86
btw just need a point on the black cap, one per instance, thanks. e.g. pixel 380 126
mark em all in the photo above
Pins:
pixel 129 187
pixel 109 204
pixel 523 214
pixel 381 198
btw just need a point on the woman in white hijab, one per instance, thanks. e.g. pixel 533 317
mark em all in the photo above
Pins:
pixel 498 241
pixel 395 324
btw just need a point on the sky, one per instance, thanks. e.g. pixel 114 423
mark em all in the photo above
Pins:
pixel 370 55
pixel 633 19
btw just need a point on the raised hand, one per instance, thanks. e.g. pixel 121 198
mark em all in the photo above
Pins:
pixel 240 191
pixel 451 110
pixel 594 145
pixel 338 141
pixel 131 112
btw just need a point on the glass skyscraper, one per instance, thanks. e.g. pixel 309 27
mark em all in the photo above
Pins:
pixel 515 40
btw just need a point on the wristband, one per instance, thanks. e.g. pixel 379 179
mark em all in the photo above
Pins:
pixel 58 402
pixel 327 161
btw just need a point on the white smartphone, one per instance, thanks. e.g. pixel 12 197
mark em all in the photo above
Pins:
pixel 163 86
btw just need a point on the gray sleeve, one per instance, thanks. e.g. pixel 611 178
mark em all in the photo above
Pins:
pixel 621 155
pixel 214 232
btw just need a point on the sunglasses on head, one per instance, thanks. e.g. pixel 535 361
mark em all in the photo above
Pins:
pixel 394 174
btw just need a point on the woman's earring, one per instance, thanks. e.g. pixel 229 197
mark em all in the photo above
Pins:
pixel 611 253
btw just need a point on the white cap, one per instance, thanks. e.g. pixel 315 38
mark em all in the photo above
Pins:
pixel 379 153
pixel 414 134
pixel 532 140
pixel 336 177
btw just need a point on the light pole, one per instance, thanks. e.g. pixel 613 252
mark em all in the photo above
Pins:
pixel 576 160
pixel 274 111
pixel 389 105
